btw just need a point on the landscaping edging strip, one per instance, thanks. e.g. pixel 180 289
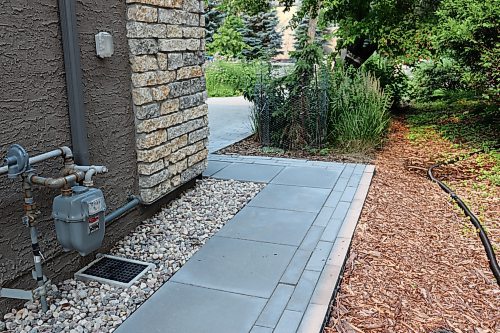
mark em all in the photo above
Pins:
pixel 316 314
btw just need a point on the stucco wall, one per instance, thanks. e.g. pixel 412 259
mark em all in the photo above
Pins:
pixel 33 112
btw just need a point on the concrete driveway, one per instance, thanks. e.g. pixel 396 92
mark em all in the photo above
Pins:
pixel 229 121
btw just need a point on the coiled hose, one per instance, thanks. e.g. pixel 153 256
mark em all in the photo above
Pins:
pixel 490 253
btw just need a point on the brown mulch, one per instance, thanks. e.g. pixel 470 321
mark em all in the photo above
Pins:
pixel 250 146
pixel 412 266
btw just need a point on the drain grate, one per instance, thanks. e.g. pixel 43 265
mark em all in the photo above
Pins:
pixel 112 270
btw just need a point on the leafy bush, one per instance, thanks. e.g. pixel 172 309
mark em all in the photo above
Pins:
pixel 392 78
pixel 228 41
pixel 359 115
pixel 468 31
pixel 290 114
pixel 226 78
pixel 433 79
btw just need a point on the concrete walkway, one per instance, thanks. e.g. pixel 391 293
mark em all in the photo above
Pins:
pixel 229 121
pixel 275 266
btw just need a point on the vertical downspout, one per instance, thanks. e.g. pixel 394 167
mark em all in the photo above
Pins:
pixel 74 87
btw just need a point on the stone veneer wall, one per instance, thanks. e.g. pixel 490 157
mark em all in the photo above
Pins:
pixel 166 44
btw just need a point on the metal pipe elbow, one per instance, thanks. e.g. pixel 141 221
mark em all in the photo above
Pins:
pixel 66 152
pixel 88 177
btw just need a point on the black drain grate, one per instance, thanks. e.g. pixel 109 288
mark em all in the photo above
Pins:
pixel 115 269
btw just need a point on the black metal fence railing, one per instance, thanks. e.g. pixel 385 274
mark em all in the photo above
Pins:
pixel 291 116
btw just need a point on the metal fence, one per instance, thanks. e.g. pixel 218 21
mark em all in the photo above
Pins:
pixel 289 115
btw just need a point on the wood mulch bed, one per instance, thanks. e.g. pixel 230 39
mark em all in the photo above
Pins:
pixel 416 264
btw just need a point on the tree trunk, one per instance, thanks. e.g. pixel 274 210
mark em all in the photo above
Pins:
pixel 313 22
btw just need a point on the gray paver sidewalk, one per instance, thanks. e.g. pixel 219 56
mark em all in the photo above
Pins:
pixel 272 268
pixel 229 119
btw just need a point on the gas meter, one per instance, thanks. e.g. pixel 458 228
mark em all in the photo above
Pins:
pixel 79 219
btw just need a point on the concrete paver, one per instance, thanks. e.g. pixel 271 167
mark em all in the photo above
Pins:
pixel 177 307
pixel 296 267
pixel 319 256
pixel 275 266
pixel 302 199
pixel 303 291
pixel 214 167
pixel 271 314
pixel 258 173
pixel 238 266
pixel 312 238
pixel 269 225
pixel 307 177
pixel 261 329
pixel 289 322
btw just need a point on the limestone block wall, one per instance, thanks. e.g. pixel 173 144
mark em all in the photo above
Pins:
pixel 166 43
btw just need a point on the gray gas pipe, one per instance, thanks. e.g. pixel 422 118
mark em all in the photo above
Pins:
pixel 78 212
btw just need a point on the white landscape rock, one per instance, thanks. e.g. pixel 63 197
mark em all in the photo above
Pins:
pixel 168 240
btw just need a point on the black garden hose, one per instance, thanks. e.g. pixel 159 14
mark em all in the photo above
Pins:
pixel 490 253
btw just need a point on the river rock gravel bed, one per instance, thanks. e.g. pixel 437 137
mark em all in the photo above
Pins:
pixel 168 240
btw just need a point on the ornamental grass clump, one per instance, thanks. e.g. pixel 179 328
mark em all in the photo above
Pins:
pixel 359 110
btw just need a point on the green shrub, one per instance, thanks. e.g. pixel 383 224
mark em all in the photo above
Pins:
pixel 339 108
pixel 226 78
pixel 359 115
pixel 392 78
pixel 290 114
pixel 228 41
pixel 432 79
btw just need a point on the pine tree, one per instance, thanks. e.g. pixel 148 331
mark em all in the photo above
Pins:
pixel 301 37
pixel 261 35
pixel 213 20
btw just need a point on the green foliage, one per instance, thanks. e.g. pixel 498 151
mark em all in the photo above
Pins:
pixel 468 31
pixel 398 28
pixel 391 76
pixel 226 79
pixel 433 79
pixel 260 34
pixel 468 122
pixel 408 31
pixel 339 108
pixel 249 7
pixel 459 118
pixel 289 113
pixel 213 20
pixel 359 110
pixel 228 40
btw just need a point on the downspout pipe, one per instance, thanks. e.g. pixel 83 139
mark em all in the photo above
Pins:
pixel 74 86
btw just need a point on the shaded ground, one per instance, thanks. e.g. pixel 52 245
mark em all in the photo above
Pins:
pixel 250 146
pixel 416 265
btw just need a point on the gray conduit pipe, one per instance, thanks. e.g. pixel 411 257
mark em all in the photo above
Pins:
pixel 133 203
pixel 74 87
